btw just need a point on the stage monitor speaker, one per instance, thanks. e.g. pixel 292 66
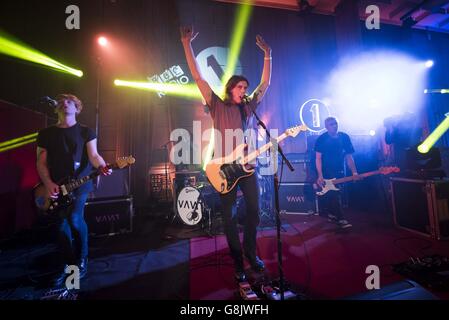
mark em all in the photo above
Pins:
pixel 403 290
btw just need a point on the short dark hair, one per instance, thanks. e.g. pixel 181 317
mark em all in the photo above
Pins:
pixel 232 82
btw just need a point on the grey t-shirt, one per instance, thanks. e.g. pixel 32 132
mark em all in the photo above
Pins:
pixel 228 117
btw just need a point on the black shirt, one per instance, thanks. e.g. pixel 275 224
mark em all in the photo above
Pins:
pixel 333 151
pixel 67 152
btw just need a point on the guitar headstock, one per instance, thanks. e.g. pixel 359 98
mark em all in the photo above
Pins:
pixel 388 170
pixel 293 131
pixel 123 162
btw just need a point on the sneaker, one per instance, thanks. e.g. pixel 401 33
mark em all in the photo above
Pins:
pixel 239 274
pixel 83 267
pixel 257 264
pixel 331 218
pixel 59 280
pixel 344 224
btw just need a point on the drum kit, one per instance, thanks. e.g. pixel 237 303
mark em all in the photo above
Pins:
pixel 197 204
pixel 192 207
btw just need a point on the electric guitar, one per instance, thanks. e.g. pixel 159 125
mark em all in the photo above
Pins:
pixel 224 173
pixel 49 205
pixel 330 184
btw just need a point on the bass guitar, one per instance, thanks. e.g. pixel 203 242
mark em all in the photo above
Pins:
pixel 330 184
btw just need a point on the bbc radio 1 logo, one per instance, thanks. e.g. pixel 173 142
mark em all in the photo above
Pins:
pixel 312 113
pixel 174 74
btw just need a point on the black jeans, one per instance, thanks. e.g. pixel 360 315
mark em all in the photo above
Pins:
pixel 73 224
pixel 250 189
pixel 330 203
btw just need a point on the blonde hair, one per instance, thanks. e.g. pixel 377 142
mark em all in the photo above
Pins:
pixel 67 96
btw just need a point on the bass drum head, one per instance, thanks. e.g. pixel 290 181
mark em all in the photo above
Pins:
pixel 189 206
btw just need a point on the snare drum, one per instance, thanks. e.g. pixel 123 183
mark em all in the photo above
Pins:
pixel 189 206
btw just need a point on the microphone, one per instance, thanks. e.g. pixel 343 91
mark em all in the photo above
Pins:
pixel 49 101
pixel 246 99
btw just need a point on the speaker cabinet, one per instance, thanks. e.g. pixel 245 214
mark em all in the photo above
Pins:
pixel 421 206
pixel 109 216
pixel 297 198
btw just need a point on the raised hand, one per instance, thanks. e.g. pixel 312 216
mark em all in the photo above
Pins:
pixel 263 45
pixel 187 34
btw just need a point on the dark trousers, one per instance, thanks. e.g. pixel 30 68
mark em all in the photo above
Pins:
pixel 72 227
pixel 249 187
pixel 330 203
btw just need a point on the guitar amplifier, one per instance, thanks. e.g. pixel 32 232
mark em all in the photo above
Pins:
pixel 297 198
pixel 421 206
pixel 109 216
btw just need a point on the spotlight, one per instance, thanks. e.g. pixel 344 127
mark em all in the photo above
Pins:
pixel 426 91
pixel 102 41
pixel 429 63
pixel 372 133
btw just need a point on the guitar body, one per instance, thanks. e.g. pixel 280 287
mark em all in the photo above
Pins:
pixel 328 186
pixel 49 205
pixel 225 173
pixel 67 186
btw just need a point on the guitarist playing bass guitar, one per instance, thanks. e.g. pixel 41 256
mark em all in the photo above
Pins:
pixel 69 149
pixel 332 148
pixel 233 113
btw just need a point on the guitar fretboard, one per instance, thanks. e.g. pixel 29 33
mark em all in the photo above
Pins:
pixel 73 185
pixel 350 178
pixel 253 155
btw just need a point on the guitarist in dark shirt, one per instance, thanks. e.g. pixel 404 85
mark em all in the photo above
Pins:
pixel 69 149
pixel 332 148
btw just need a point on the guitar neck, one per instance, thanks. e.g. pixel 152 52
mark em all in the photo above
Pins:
pixel 73 185
pixel 351 178
pixel 253 155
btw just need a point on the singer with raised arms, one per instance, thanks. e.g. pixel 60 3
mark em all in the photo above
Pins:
pixel 234 112
pixel 69 149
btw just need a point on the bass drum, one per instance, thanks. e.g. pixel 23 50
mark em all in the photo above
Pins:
pixel 189 206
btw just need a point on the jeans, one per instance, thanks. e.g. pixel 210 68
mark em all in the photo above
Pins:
pixel 330 203
pixel 249 187
pixel 73 224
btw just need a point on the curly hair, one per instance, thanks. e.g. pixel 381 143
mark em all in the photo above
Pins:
pixel 67 96
pixel 232 82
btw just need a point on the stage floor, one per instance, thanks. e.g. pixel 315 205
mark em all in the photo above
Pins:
pixel 166 260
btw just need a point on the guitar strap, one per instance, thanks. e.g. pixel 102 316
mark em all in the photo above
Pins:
pixel 242 116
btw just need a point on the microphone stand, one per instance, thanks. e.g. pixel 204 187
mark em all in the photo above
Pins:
pixel 165 147
pixel 276 199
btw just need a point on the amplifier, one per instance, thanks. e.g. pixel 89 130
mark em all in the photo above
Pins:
pixel 421 206
pixel 303 168
pixel 297 198
pixel 109 216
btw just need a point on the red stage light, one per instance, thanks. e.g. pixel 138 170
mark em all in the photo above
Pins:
pixel 102 41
